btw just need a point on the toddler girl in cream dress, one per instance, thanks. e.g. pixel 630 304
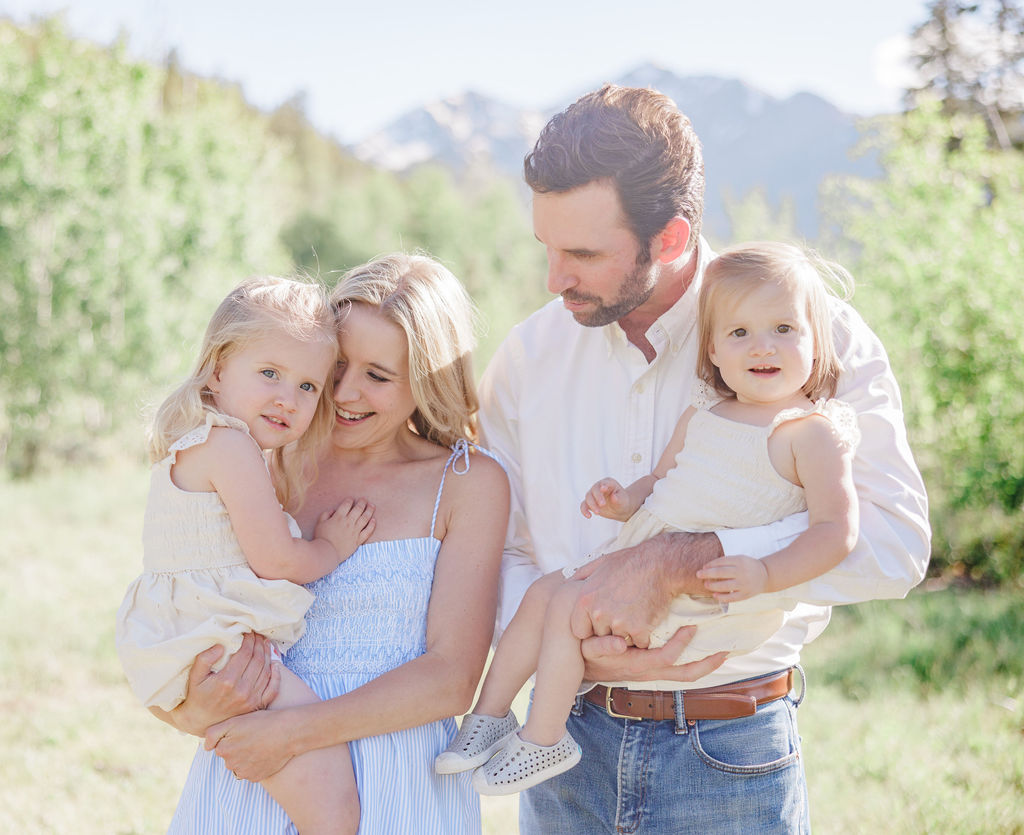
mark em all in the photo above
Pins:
pixel 221 558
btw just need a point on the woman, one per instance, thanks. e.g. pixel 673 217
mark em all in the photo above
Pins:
pixel 397 638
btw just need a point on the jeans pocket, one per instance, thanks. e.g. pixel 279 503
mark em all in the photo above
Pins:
pixel 760 744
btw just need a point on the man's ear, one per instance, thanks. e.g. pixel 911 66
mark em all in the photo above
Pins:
pixel 671 241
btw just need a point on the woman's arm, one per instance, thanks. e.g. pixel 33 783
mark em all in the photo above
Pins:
pixel 438 684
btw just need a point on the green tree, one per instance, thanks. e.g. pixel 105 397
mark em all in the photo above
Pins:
pixel 121 219
pixel 971 57
pixel 936 245
pixel 754 218
pixel 504 266
pixel 481 231
pixel 132 196
pixel 360 217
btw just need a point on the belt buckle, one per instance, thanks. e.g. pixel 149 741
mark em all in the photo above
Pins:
pixel 611 711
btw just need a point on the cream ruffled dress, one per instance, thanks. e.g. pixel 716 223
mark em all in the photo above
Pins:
pixel 196 589
pixel 723 478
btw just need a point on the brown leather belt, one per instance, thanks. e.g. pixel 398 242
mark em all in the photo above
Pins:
pixel 727 701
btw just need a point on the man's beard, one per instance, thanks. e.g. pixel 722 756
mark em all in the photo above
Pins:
pixel 636 288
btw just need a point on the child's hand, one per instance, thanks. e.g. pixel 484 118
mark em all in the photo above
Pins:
pixel 608 499
pixel 347 527
pixel 734 578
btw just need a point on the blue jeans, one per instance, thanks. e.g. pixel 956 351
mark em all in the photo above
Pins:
pixel 658 777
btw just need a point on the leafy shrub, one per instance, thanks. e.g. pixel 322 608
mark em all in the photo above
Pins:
pixel 937 247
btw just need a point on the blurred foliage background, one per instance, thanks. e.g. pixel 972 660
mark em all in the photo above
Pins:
pixel 134 195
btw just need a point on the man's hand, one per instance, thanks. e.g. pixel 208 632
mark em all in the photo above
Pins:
pixel 248 682
pixel 628 592
pixel 609 658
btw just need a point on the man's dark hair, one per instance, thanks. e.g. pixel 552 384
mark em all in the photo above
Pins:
pixel 636 139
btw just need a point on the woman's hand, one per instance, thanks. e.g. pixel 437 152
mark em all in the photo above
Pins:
pixel 253 747
pixel 248 682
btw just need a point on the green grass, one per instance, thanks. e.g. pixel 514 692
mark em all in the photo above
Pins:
pixel 914 721
pixel 943 641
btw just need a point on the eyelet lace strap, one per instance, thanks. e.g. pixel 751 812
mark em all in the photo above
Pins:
pixel 201 433
pixel 703 396
pixel 839 412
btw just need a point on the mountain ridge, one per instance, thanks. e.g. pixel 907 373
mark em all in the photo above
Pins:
pixel 785 147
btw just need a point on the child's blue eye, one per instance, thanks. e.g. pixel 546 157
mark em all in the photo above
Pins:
pixel 269 372
pixel 308 387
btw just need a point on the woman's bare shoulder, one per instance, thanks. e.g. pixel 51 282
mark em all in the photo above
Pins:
pixel 485 471
pixel 483 484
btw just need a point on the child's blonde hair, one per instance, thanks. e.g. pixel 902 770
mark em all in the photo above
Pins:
pixel 743 268
pixel 432 308
pixel 302 310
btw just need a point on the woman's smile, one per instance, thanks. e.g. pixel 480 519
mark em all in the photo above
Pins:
pixel 372 379
pixel 350 417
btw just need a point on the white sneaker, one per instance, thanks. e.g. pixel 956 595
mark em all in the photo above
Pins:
pixel 478 738
pixel 521 764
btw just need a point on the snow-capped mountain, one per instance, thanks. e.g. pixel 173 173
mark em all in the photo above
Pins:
pixel 459 131
pixel 786 147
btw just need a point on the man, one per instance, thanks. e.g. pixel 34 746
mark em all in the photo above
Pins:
pixel 592 385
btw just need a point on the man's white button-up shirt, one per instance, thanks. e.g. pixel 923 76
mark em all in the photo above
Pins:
pixel 563 405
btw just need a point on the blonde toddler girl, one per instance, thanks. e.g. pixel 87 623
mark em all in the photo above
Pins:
pixel 221 558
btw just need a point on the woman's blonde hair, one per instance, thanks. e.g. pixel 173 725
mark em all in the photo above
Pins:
pixel 742 269
pixel 433 309
pixel 298 308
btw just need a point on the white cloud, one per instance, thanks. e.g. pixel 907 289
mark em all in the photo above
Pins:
pixel 891 64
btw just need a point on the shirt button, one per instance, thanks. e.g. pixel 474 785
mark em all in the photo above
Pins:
pixel 639 388
pixel 637 458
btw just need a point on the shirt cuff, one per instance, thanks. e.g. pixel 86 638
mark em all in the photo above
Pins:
pixel 759 543
pixel 762 541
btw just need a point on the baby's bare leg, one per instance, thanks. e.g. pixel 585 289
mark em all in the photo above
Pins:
pixel 515 657
pixel 317 789
pixel 559 670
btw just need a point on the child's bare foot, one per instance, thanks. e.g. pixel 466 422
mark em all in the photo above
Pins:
pixel 347 527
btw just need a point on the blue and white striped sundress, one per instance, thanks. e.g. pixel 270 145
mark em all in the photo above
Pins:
pixel 369 617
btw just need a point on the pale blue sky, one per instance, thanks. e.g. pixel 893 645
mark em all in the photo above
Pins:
pixel 362 64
